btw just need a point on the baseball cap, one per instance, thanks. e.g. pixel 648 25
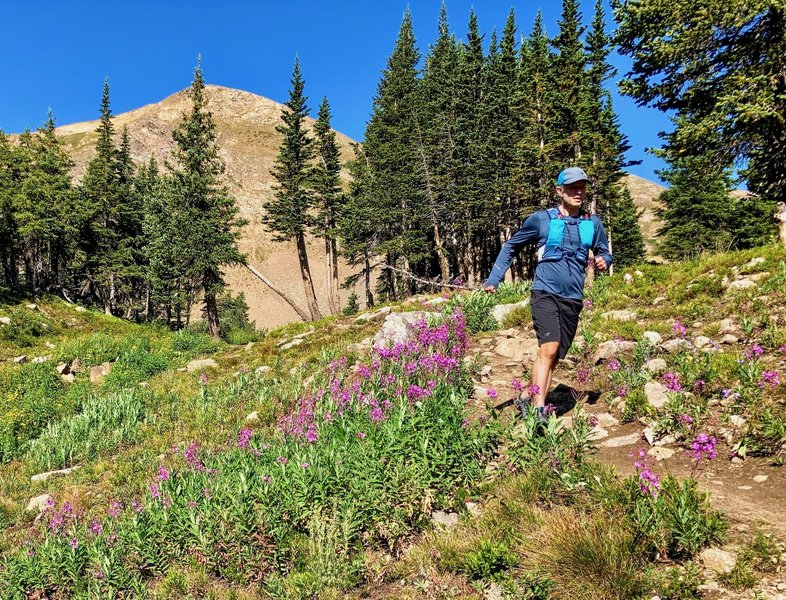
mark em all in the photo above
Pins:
pixel 571 175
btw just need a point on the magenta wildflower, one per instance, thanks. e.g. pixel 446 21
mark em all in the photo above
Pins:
pixel 649 482
pixel 98 573
pixel 592 419
pixel 771 378
pixel 679 328
pixel 361 435
pixel 685 419
pixel 73 542
pixel 491 393
pixel 203 379
pixel 465 423
pixel 205 493
pixel 305 465
pixel 137 506
pixel 517 385
pixel 671 382
pixel 376 415
pixel 587 304
pixel 699 386
pixel 283 460
pixel 243 437
pixel 534 389
pixel 191 505
pixel 191 456
pixel 95 528
pixel 613 364
pixel 754 352
pixel 583 375
pixel 163 473
pixel 155 492
pixel 622 391
pixel 703 447
pixel 312 436
pixel 266 478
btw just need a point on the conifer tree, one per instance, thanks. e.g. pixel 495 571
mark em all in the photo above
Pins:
pixel 623 221
pixel 328 199
pixel 9 191
pixel 396 183
pixel 288 214
pixel 207 215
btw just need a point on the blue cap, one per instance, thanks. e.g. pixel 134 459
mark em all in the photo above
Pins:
pixel 571 175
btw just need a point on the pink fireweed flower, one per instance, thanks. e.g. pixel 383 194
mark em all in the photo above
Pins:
pixel 699 386
pixel 191 456
pixel 327 417
pixel 649 482
pixel 361 435
pixel 95 528
pixel 592 419
pixel 613 364
pixel 465 423
pixel 205 493
pixel 549 409
pixel 703 447
pixel 622 391
pixel 679 328
pixel 770 378
pixel 587 304
pixel 203 379
pixel 114 509
pixel 312 436
pixel 491 393
pixel 137 506
pixel 98 573
pixel 517 385
pixel 163 474
pixel 266 478
pixel 376 415
pixel 671 382
pixel 191 505
pixel 155 492
pixel 243 437
pixel 282 460
pixel 685 419
pixel 73 542
pixel 364 372
pixel 754 352
pixel 534 389
pixel 305 465
pixel 583 375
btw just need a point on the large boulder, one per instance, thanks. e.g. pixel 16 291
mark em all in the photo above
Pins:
pixel 500 311
pixel 653 337
pixel 397 328
pixel 517 349
pixel 39 503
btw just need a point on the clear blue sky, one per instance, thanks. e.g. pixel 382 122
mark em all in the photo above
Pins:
pixel 56 54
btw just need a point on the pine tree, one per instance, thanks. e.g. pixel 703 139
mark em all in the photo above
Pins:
pixel 288 214
pixel 207 213
pixel 623 221
pixel 10 184
pixel 148 191
pixel 328 199
pixel 396 182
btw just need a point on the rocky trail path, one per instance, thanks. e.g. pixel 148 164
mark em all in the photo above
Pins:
pixel 751 493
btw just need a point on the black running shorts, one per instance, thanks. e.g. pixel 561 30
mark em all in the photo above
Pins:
pixel 555 319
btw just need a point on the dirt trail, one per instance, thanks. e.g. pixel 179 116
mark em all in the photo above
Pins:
pixel 751 493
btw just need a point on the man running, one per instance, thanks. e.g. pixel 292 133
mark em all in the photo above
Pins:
pixel 565 235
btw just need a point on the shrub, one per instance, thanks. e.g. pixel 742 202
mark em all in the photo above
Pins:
pixel 234 326
pixel 489 560
pixel 192 343
pixel 24 328
pixel 352 306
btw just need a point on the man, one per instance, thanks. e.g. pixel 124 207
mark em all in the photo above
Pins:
pixel 565 235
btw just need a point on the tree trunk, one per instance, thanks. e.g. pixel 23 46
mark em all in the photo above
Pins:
pixel 334 274
pixel 211 313
pixel 367 282
pixel 329 277
pixel 283 295
pixel 305 274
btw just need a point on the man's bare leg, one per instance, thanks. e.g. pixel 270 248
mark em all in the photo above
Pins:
pixel 544 365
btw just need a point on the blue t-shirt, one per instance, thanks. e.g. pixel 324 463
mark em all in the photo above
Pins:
pixel 564 277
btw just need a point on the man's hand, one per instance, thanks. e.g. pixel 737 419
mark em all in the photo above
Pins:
pixel 490 289
pixel 600 263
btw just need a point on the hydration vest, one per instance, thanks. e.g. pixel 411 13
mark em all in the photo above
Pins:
pixel 553 249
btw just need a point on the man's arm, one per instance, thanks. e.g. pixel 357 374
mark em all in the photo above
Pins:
pixel 530 231
pixel 601 247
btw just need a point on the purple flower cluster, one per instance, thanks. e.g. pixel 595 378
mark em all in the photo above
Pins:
pixel 770 378
pixel 62 518
pixel 754 352
pixel 703 447
pixel 671 382
pixel 685 419
pixel 649 482
pixel 613 364
pixel 679 328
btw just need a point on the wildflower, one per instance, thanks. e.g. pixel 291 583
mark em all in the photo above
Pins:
pixel 282 460
pixel 203 379
pixel 155 492
pixel 312 436
pixel 754 352
pixel 191 456
pixel 327 417
pixel 465 423
pixel 243 437
pixel 30 553
pixel 703 447
pixel 649 482
pixel 782 349
pixel 613 364
pixel 137 506
pixel 95 528
pixel 491 393
pixel 266 478
pixel 534 389
pixel 98 573
pixel 111 539
pixel 622 391
pixel 205 493
pixel 587 304
pixel 163 473
pixel 73 542
pixel 699 386
pixel 361 435
pixel 671 382
pixel 517 385
pixel 305 465
pixel 191 505
pixel 592 419
pixel 770 378
pixel 458 281
pixel 376 415
pixel 364 372
pixel 583 375
pixel 679 328
pixel 549 409
pixel 167 501
pixel 685 419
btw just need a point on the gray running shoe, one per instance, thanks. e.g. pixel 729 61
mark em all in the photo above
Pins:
pixel 523 402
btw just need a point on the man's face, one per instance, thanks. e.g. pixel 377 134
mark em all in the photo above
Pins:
pixel 572 194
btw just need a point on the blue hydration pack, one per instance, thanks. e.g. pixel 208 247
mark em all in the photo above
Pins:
pixel 553 249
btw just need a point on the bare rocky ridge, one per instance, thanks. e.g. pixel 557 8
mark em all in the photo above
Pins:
pixel 249 143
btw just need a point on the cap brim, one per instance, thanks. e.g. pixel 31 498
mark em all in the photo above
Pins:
pixel 575 180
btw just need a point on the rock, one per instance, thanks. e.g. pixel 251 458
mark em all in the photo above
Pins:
pixel 263 369
pixel 39 503
pixel 649 435
pixel 254 416
pixel 362 346
pixel 742 284
pixel 144 384
pixel 623 440
pixel 42 359
pixel 620 315
pixel 728 338
pixel 473 509
pixel 701 341
pixel 63 368
pixel 500 311
pixel 653 337
pixel 5 321
pixel 611 348
pixel 656 366
pixel 291 343
pixel 758 276
pixel 249 346
pixel 659 300
pixel 710 586
pixel 80 309
pixel 726 326
pixel 98 372
pixel 48 474
pixel 76 365
pixel 757 260
pixel 607 420
pixel 660 453
pixel 495 592
pixel 20 360
pixel 200 365
pixel 397 328
pixel 675 345
pixel 373 316
pixel 597 433
pixel 566 422
pixel 446 520
pixel 761 478
pixel 737 421
pixel 744 488
pixel 655 392
pixel 31 306
pixel 628 278
pixel 68 378
pixel 718 561
pixel 518 350
pixel 666 440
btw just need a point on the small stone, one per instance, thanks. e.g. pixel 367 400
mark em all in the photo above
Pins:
pixel 718 561
pixel 757 260
pixel 473 509
pixel 620 315
pixel 660 453
pixel 761 478
pixel 666 440
pixel 31 306
pixel 701 341
pixel 41 359
pixel 675 345
pixel 655 392
pixel 728 338
pixel 518 350
pixel 76 365
pixel 744 488
pixel 98 372
pixel 624 440
pixel 254 416
pixel 80 309
pixel 659 300
pixel 566 422
pixel 291 343
pixel 742 284
pixel 495 592
pixel 628 278
pixel 653 337
pixel 249 346
pixel 697 325
pixel 737 421
pixel 144 384
pixel 500 311
pixel 20 360
pixel 5 320
pixel 48 474
pixel 39 503
pixel 737 460
pixel 656 366
pixel 436 301
pixel 612 348
pixel 446 520
pixel 649 435
pixel 63 368
pixel 607 420
pixel 373 316
pixel 485 371
pixel 68 378
pixel 597 433
pixel 201 364
pixel 710 586
pixel 726 326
